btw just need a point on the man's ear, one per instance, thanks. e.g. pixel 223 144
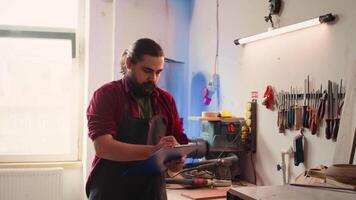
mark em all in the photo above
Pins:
pixel 128 62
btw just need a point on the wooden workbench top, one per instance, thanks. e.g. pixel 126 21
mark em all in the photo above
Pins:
pixel 202 193
pixel 289 192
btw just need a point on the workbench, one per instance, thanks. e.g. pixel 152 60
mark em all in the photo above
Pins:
pixel 281 192
pixel 176 194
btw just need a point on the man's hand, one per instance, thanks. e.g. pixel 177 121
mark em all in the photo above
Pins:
pixel 175 165
pixel 167 141
pixel 170 141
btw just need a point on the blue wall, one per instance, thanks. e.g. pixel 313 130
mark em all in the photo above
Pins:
pixel 187 81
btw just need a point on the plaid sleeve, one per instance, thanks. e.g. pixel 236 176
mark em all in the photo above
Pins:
pixel 101 113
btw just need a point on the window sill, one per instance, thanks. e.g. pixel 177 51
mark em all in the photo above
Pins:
pixel 64 164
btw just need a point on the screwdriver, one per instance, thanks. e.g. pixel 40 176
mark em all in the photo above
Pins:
pixel 313 123
pixel 285 118
pixel 306 105
pixel 337 116
pixel 310 109
pixel 298 112
pixel 328 120
pixel 321 108
pixel 291 111
pixel 280 113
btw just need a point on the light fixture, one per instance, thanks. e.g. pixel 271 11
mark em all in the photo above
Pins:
pixel 312 22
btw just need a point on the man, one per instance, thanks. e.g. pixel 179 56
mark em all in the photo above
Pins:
pixel 128 120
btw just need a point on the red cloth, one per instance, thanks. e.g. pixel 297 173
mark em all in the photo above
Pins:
pixel 106 111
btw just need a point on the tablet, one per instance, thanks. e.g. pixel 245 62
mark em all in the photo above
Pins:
pixel 155 165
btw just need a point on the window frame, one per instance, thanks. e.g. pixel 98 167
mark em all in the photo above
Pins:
pixel 77 61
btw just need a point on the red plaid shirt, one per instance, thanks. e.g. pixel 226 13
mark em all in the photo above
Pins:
pixel 106 111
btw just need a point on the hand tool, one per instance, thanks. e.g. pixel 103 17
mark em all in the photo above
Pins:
pixel 310 109
pixel 313 121
pixel 328 128
pixel 340 106
pixel 321 108
pixel 280 112
pixel 336 110
pixel 199 182
pixel 286 111
pixel 291 110
pixel 298 149
pixel 279 108
pixel 285 116
pixel 293 107
pixel 306 104
pixel 309 97
pixel 298 113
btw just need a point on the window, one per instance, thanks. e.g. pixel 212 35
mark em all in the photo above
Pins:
pixel 41 87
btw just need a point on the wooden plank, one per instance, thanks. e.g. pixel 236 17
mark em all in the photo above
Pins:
pixel 223 119
pixel 206 193
pixel 176 194
pixel 346 137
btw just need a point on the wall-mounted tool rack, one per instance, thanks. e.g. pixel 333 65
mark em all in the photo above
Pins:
pixel 307 110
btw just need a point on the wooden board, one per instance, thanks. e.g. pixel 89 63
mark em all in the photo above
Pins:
pixel 289 192
pixel 339 184
pixel 206 193
pixel 227 119
pixel 345 140
pixel 155 165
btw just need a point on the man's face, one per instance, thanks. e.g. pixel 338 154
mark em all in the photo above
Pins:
pixel 145 74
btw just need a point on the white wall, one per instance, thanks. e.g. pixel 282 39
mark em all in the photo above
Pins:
pixel 99 61
pixel 166 22
pixel 73 184
pixel 324 52
pixel 114 25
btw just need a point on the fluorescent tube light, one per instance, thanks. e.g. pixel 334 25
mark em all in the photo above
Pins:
pixel 313 22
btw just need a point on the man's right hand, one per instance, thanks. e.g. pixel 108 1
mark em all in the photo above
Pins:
pixel 166 141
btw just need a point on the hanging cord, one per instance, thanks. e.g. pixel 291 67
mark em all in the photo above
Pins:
pixel 254 169
pixel 217 38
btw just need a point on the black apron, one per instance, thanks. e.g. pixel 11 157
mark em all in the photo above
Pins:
pixel 108 182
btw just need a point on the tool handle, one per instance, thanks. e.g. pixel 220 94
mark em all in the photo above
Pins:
pixel 191 182
pixel 310 120
pixel 297 117
pixel 290 117
pixel 336 128
pixel 328 128
pixel 314 128
pixel 280 122
pixel 285 119
pixel 314 125
pixel 323 109
pixel 282 129
pixel 305 116
pixel 279 118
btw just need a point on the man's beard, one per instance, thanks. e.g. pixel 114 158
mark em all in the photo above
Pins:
pixel 141 90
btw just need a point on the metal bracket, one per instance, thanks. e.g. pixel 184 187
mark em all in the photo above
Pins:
pixel 274 9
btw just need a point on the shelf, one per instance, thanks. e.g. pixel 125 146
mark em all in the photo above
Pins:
pixel 229 119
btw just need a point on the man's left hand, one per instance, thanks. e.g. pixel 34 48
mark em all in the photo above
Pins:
pixel 176 165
